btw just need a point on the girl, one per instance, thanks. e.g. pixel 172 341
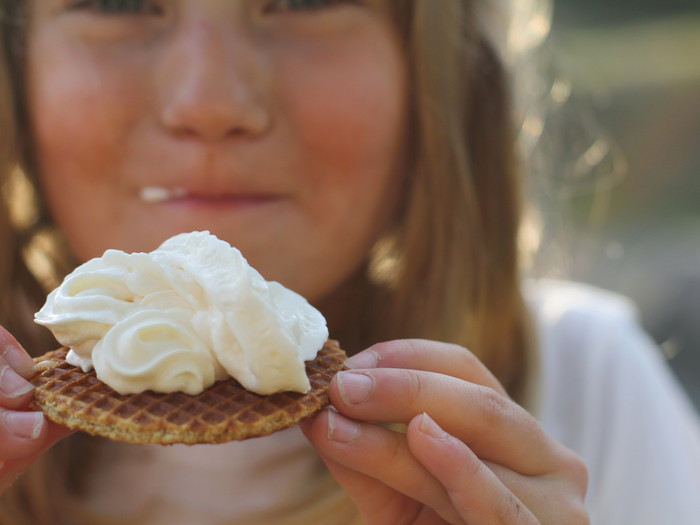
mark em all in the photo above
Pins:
pixel 361 153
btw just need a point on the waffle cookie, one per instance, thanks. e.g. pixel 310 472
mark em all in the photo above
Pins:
pixel 223 412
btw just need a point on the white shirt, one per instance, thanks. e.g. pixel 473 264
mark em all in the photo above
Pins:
pixel 607 394
pixel 604 392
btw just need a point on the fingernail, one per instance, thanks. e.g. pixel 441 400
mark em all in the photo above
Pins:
pixel 366 359
pixel 342 429
pixel 12 384
pixel 355 387
pixel 26 425
pixel 430 428
pixel 17 358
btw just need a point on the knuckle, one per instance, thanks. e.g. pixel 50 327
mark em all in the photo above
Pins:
pixel 466 356
pixel 576 470
pixel 415 387
pixel 572 493
pixel 383 347
pixel 581 472
pixel 493 407
pixel 395 452
pixel 575 512
pixel 511 511
pixel 396 352
pixel 581 517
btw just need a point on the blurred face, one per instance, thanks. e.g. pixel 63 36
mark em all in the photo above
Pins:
pixel 278 125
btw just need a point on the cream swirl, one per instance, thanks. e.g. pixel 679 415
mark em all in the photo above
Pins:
pixel 182 316
pixel 159 348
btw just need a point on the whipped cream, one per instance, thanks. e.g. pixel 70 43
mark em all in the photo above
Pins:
pixel 156 194
pixel 181 317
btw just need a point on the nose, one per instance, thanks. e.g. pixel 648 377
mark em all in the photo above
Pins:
pixel 212 84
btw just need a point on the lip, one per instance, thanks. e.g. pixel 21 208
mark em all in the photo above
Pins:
pixel 158 194
pixel 178 195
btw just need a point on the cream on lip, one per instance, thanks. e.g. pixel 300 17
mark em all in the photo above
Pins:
pixel 181 317
pixel 156 194
pixel 162 194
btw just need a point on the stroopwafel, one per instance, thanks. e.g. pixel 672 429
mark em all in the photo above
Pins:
pixel 223 412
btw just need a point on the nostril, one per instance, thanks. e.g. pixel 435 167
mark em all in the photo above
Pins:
pixel 212 119
pixel 212 84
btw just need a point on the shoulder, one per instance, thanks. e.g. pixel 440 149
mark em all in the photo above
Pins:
pixel 578 324
pixel 553 302
pixel 592 347
pixel 584 334
pixel 606 392
pixel 589 341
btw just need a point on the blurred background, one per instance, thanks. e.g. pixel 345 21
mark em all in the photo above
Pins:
pixel 634 67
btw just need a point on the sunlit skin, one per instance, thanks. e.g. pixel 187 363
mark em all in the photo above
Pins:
pixel 281 127
pixel 279 130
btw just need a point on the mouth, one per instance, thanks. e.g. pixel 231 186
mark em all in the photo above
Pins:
pixel 177 195
pixel 158 194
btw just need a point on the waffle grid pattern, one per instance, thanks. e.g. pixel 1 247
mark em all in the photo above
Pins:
pixel 224 412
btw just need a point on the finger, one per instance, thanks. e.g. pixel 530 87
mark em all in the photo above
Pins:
pixel 430 356
pixel 567 487
pixel 493 426
pixel 382 455
pixel 21 433
pixel 15 391
pixel 376 502
pixel 474 490
pixel 12 353
pixel 10 469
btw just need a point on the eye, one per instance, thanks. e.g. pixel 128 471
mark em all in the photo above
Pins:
pixel 304 5
pixel 117 7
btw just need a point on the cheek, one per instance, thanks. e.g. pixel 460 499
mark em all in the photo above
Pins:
pixel 78 117
pixel 347 122
pixel 81 103
pixel 352 124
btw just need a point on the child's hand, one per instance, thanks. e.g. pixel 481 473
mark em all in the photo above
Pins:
pixel 24 434
pixel 470 454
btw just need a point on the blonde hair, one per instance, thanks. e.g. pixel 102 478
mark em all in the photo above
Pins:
pixel 453 258
pixel 448 269
pixel 33 259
